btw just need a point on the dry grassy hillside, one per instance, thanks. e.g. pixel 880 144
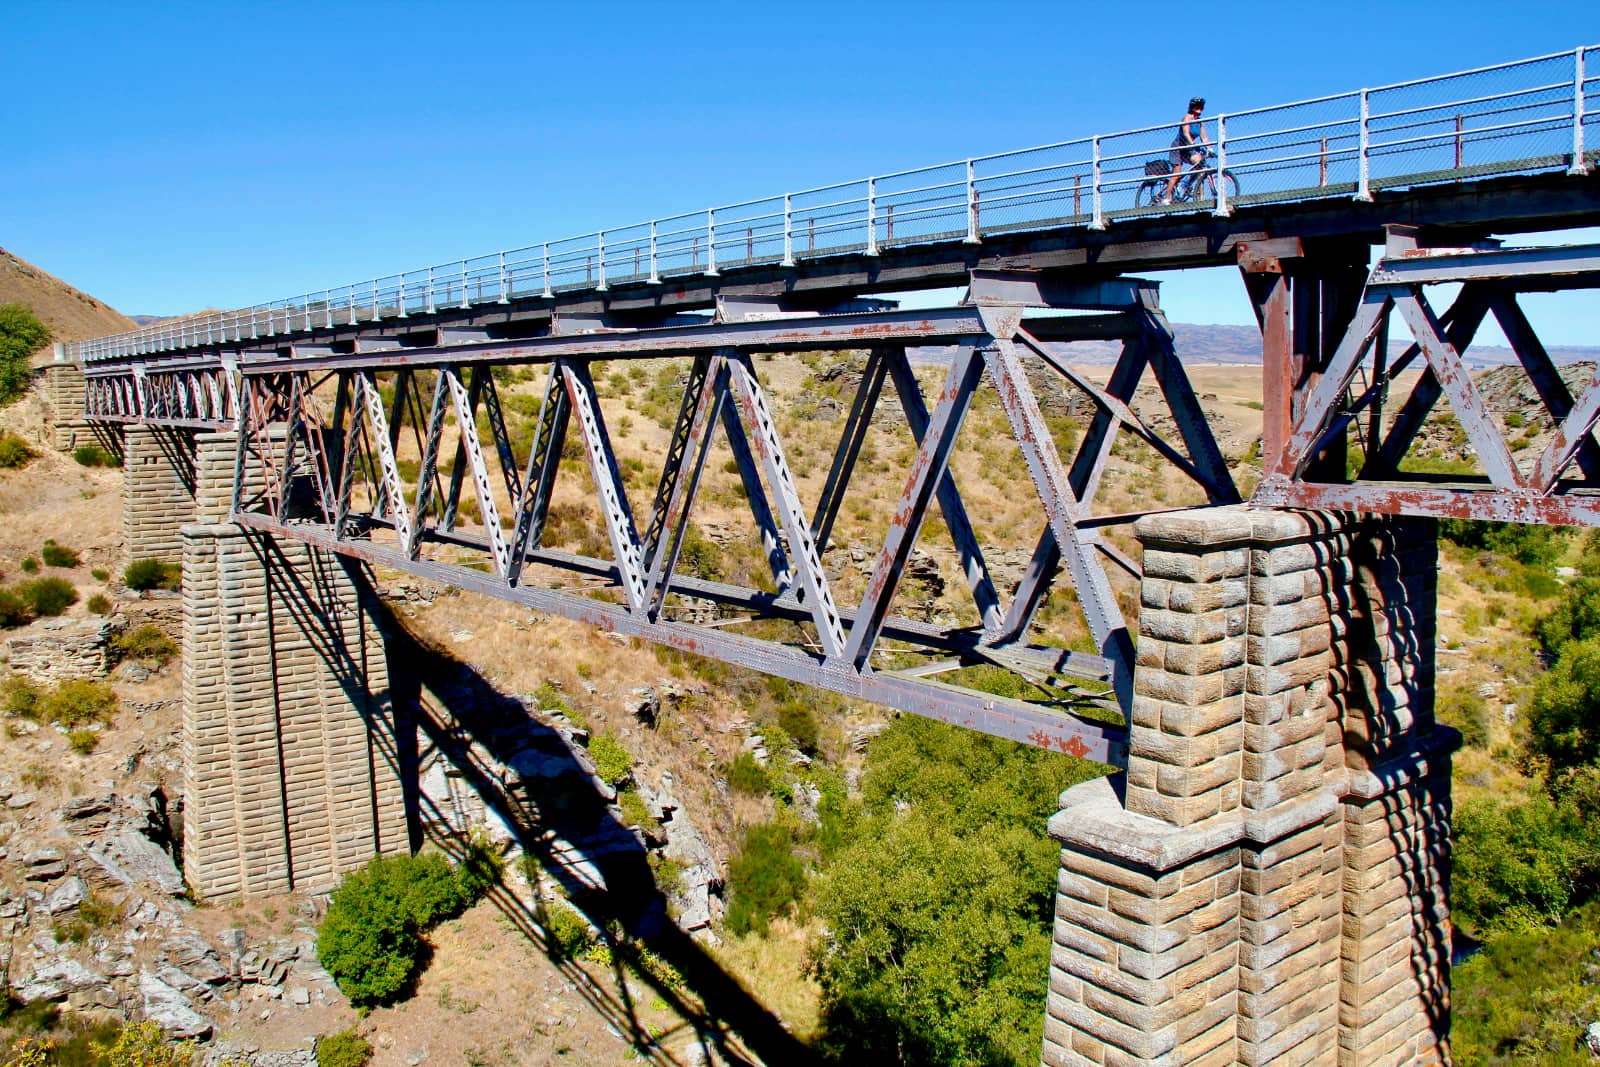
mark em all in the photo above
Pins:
pixel 71 315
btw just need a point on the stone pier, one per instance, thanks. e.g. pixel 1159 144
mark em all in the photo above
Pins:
pixel 291 755
pixel 1268 882
pixel 62 388
pixel 158 491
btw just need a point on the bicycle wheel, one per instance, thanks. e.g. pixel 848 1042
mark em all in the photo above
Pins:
pixel 1230 185
pixel 1148 194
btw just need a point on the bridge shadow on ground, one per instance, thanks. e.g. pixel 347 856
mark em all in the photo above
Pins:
pixel 554 809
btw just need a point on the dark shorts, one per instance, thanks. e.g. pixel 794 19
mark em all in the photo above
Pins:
pixel 1187 156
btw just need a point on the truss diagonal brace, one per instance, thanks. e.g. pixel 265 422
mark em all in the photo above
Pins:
pixel 928 472
pixel 752 405
pixel 1062 509
pixel 607 480
pixel 389 472
pixel 538 482
pixel 430 463
pixel 1456 383
pixel 699 423
pixel 956 521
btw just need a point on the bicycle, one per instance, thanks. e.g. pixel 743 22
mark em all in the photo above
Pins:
pixel 1197 186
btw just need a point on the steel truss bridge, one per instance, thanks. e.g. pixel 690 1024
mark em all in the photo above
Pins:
pixel 324 388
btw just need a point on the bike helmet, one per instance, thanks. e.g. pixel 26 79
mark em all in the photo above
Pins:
pixel 1197 103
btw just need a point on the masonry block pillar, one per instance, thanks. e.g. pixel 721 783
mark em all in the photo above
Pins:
pixel 63 390
pixel 158 490
pixel 291 754
pixel 1267 882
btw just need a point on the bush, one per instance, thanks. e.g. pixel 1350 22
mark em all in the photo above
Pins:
pixel 566 933
pixel 18 696
pixel 146 643
pixel 100 574
pixel 634 810
pixel 21 335
pixel 144 1045
pixel 1534 546
pixel 765 879
pixel 371 940
pixel 144 574
pixel 30 565
pixel 1564 714
pixel 343 1049
pixel 99 604
pixel 612 762
pixel 746 775
pixel 92 455
pixel 482 867
pixel 83 742
pixel 1465 709
pixel 78 702
pixel 55 555
pixel 797 720
pixel 14 610
pixel 47 596
pixel 1527 996
pixel 1526 862
pixel 14 451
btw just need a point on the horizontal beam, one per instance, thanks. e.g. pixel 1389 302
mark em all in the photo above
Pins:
pixel 1435 500
pixel 1578 266
pixel 834 331
pixel 983 712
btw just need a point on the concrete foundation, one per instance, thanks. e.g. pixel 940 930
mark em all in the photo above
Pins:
pixel 1268 882
pixel 290 748
pixel 158 492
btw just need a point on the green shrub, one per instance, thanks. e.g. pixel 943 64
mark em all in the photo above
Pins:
pixel 1564 714
pixel 55 555
pixel 100 574
pixel 14 451
pixel 144 574
pixel 92 455
pixel 797 720
pixel 14 610
pixel 83 742
pixel 747 776
pixel 1465 709
pixel 566 932
pixel 99 604
pixel 765 879
pixel 98 911
pixel 146 643
pixel 1527 995
pixel 1525 862
pixel 634 811
pixel 144 1045
pixel 18 696
pixel 78 702
pixel 611 761
pixel 343 1049
pixel 47 596
pixel 1535 546
pixel 30 565
pixel 21 335
pixel 371 940
pixel 482 867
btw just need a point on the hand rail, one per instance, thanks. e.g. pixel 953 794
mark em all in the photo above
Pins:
pixel 1092 179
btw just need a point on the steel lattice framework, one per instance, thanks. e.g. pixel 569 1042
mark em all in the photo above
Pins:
pixel 318 462
pixel 323 388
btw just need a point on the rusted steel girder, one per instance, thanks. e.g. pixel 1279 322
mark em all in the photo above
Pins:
pixel 1316 409
pixel 337 482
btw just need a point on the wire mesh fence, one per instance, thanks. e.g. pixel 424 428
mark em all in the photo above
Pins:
pixel 1525 116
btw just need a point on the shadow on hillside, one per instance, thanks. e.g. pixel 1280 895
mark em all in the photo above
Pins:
pixel 453 708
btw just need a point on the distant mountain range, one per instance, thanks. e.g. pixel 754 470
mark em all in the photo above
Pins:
pixel 1198 343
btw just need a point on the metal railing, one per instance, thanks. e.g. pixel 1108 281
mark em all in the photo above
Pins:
pixel 1525 116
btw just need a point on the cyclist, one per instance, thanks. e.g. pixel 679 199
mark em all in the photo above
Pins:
pixel 1189 147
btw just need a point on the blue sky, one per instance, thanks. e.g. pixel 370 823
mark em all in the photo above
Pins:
pixel 172 156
